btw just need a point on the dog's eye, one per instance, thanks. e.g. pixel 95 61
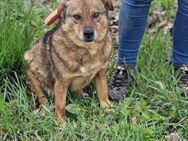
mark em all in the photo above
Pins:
pixel 77 17
pixel 96 15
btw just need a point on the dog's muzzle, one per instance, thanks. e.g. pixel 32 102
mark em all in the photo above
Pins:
pixel 88 34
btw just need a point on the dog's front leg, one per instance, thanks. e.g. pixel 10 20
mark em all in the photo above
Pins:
pixel 60 101
pixel 102 88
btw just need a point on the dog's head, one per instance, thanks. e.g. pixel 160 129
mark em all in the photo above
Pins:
pixel 84 20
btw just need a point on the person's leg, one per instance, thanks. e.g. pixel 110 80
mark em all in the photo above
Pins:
pixel 179 57
pixel 180 34
pixel 132 21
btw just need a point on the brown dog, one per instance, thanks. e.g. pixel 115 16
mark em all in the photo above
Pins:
pixel 71 55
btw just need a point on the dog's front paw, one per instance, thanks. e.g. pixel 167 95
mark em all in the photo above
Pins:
pixel 107 107
pixel 61 121
pixel 109 110
pixel 105 103
pixel 41 111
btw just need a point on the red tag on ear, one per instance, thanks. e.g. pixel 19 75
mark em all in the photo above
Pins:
pixel 52 17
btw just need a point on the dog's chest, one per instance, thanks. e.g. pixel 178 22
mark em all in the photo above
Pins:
pixel 86 74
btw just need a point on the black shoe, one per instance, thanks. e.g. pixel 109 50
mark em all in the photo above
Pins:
pixel 119 83
pixel 183 77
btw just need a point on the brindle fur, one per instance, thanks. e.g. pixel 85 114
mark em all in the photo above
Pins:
pixel 61 61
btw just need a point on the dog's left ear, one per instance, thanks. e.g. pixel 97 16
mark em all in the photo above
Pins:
pixel 108 4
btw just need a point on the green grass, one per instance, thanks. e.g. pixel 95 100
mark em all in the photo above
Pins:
pixel 155 100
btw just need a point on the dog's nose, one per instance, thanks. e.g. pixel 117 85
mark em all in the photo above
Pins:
pixel 88 34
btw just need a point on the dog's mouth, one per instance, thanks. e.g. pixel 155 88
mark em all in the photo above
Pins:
pixel 88 34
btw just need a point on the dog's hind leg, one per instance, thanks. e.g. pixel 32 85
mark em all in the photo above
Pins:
pixel 82 93
pixel 37 88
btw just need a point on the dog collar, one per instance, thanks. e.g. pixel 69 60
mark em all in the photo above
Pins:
pixel 52 17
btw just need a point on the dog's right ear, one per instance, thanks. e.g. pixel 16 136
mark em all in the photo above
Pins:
pixel 56 14
pixel 108 4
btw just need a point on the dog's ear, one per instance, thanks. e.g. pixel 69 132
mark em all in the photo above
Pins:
pixel 108 4
pixel 56 14
pixel 62 6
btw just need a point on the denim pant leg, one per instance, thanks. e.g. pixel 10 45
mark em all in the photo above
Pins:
pixel 132 21
pixel 180 34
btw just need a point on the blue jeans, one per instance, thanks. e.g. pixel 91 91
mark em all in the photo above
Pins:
pixel 132 21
